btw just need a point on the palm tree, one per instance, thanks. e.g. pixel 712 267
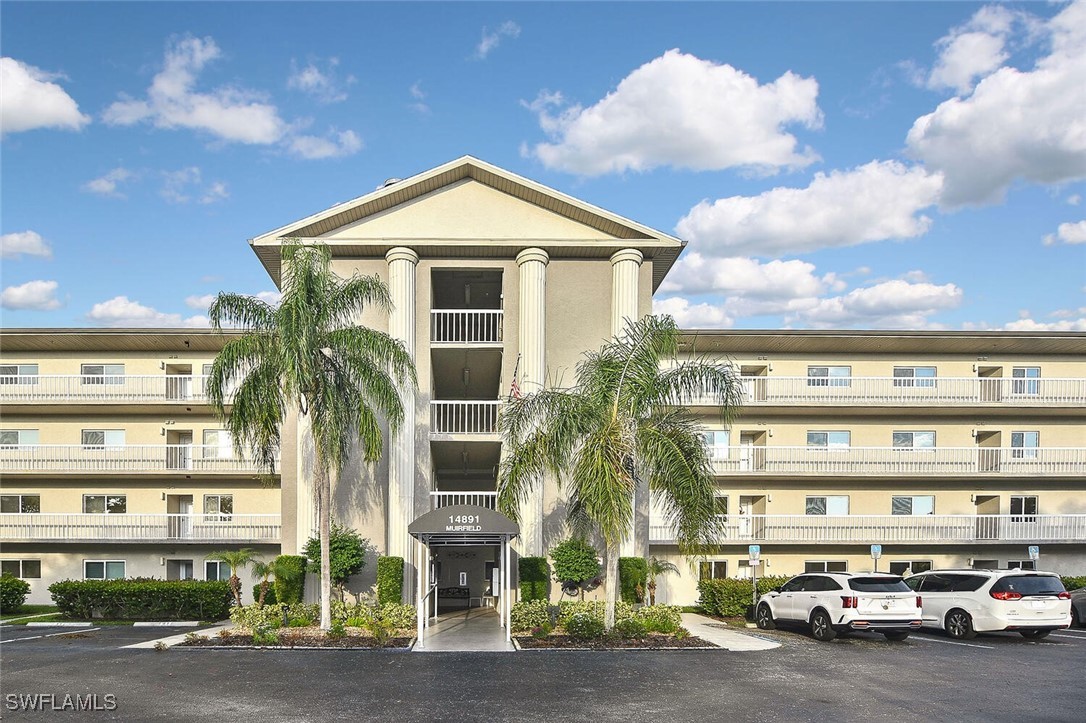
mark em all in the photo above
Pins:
pixel 656 567
pixel 237 560
pixel 309 355
pixel 263 570
pixel 623 424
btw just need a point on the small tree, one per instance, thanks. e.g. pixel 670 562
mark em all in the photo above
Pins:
pixel 658 567
pixel 237 560
pixel 346 551
pixel 575 563
pixel 263 570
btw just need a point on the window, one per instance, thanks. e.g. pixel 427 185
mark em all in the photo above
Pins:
pixel 102 373
pixel 914 376
pixel 1026 380
pixel 912 505
pixel 215 570
pixel 222 505
pixel 218 444
pixel 796 584
pixel 817 583
pixel 13 438
pixel 829 440
pixel 1022 564
pixel 827 505
pixel 717 441
pixel 105 504
pixel 1024 444
pixel 1024 507
pixel 876 584
pixel 909 567
pixel 103 569
pixel 18 373
pixel 20 503
pixel 825 566
pixel 829 376
pixel 100 438
pixel 914 440
pixel 26 569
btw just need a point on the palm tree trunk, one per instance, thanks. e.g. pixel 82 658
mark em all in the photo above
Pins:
pixel 610 586
pixel 324 512
pixel 263 592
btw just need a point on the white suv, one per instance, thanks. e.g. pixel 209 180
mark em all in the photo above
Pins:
pixel 835 602
pixel 967 602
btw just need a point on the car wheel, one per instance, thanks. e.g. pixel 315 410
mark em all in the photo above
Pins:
pixel 764 618
pixel 1076 618
pixel 1035 634
pixel 959 625
pixel 821 627
pixel 897 635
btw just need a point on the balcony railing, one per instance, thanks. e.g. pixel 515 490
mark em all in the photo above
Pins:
pixel 891 529
pixel 466 326
pixel 165 528
pixel 815 461
pixel 919 392
pixel 479 499
pixel 464 417
pixel 118 389
pixel 77 458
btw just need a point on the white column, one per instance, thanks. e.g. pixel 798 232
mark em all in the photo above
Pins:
pixel 533 370
pixel 420 611
pixel 625 270
pixel 401 462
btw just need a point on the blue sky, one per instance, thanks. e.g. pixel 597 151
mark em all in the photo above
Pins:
pixel 844 165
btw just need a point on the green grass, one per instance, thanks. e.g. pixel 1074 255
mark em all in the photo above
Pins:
pixel 28 610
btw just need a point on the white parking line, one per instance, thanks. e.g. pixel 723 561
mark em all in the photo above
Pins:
pixel 35 637
pixel 952 642
pixel 1068 637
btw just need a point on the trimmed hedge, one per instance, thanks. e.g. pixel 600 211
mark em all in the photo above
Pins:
pixel 535 578
pixel 250 617
pixel 1073 582
pixel 731 598
pixel 290 578
pixel 13 592
pixel 632 574
pixel 389 580
pixel 143 599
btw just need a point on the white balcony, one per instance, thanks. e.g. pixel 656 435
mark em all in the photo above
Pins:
pixel 165 458
pixel 896 461
pixel 466 326
pixel 891 529
pixel 461 417
pixel 448 499
pixel 163 528
pixel 911 392
pixel 88 389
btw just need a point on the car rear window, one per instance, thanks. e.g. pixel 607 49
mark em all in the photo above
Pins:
pixel 878 584
pixel 1029 584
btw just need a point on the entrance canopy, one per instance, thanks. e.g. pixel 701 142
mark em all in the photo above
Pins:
pixel 463 525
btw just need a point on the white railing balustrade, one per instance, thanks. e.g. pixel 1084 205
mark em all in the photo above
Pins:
pixel 466 326
pixel 123 458
pixel 62 527
pixel 478 499
pixel 464 417
pixel 891 529
pixel 93 389
pixel 807 461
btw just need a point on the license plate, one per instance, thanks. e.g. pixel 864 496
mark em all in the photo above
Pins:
pixel 1038 604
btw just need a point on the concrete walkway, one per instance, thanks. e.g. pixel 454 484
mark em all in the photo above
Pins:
pixel 729 638
pixel 471 629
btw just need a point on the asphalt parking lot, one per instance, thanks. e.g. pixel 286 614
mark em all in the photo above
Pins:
pixel 857 677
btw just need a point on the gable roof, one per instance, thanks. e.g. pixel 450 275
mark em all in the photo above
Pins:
pixel 662 248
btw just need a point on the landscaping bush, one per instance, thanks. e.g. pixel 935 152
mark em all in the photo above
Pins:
pixel 731 597
pixel 584 626
pixel 659 618
pixel 13 592
pixel 347 554
pixel 1073 582
pixel 289 579
pixel 390 580
pixel 529 615
pixel 269 597
pixel 632 574
pixel 398 616
pixel 631 628
pixel 143 599
pixel 541 631
pixel 252 617
pixel 576 563
pixel 535 577
pixel 568 608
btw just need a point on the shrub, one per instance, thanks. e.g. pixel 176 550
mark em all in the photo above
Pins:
pixel 535 576
pixel 568 608
pixel 289 579
pixel 252 617
pixel 269 597
pixel 390 580
pixel 347 554
pixel 541 631
pixel 575 562
pixel 13 592
pixel 730 597
pixel 337 630
pixel 528 615
pixel 265 636
pixel 631 628
pixel 584 626
pixel 143 599
pixel 400 617
pixel 1072 582
pixel 380 629
pixel 659 618
pixel 632 573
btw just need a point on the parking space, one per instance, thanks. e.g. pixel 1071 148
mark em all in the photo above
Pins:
pixel 95 637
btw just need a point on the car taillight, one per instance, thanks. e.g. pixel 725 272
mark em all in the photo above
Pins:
pixel 1006 595
pixel 1064 596
pixel 850 602
pixel 919 602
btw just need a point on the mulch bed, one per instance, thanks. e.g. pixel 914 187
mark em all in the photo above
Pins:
pixel 652 642
pixel 296 638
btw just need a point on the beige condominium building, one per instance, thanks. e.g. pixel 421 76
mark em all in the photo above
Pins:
pixel 945 448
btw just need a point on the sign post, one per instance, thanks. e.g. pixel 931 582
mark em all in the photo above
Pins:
pixel 754 553
pixel 1034 554
pixel 876 553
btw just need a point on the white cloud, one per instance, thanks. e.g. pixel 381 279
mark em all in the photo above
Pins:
pixel 695 274
pixel 1016 124
pixel 1068 233
pixel 120 311
pixel 419 96
pixel 874 202
pixel 1078 324
pixel 107 185
pixel 322 85
pixel 973 50
pixel 693 316
pixel 679 110
pixel 493 38
pixel 203 301
pixel 33 295
pixel 888 305
pixel 335 145
pixel 186 184
pixel 1074 199
pixel 24 243
pixel 30 99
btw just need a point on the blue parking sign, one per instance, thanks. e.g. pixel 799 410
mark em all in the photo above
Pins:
pixel 754 551
pixel 876 551
pixel 1034 552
